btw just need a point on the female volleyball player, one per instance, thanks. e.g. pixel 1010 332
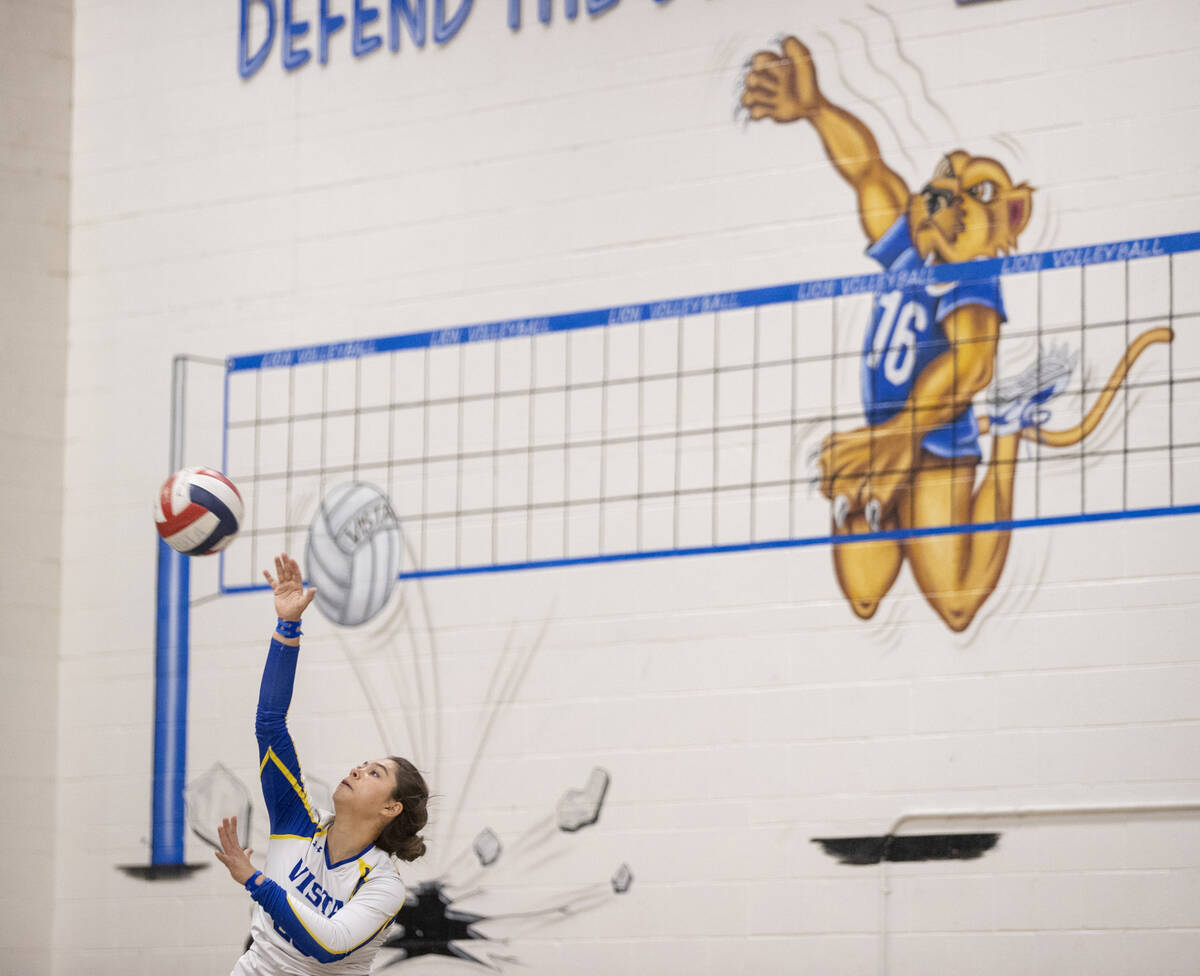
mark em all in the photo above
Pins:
pixel 329 887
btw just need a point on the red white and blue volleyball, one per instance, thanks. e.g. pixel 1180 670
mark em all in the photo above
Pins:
pixel 198 511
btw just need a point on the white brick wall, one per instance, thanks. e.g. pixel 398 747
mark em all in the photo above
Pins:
pixel 739 706
pixel 35 131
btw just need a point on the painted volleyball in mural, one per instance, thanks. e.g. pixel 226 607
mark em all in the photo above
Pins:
pixel 354 552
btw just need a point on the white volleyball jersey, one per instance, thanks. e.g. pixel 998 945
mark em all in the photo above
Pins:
pixel 313 917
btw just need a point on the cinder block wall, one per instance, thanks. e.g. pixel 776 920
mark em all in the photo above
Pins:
pixel 35 140
pixel 740 707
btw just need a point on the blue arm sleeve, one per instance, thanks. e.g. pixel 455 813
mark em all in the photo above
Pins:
pixel 279 767
pixel 329 939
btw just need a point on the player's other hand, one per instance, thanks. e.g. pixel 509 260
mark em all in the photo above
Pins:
pixel 863 471
pixel 781 86
pixel 231 853
pixel 291 599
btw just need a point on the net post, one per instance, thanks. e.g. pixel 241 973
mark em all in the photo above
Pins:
pixel 170 707
pixel 171 668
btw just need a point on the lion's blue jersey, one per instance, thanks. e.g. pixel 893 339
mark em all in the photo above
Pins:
pixel 314 917
pixel 906 335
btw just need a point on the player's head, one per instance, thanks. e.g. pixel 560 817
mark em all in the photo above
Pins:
pixel 392 792
pixel 970 209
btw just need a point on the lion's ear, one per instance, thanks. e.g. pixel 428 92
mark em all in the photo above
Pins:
pixel 1018 206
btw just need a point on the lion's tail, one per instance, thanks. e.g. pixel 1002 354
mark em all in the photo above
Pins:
pixel 1073 435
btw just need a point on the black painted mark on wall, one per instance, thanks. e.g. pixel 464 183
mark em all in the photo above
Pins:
pixel 428 924
pixel 431 923
pixel 915 847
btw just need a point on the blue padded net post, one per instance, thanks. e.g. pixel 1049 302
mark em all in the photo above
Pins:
pixel 171 671
pixel 170 707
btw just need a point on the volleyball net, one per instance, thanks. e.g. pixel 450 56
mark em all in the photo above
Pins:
pixel 688 426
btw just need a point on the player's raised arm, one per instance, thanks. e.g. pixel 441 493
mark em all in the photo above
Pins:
pixel 329 887
pixel 783 87
pixel 279 766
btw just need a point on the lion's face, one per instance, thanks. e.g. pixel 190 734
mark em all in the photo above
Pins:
pixel 970 209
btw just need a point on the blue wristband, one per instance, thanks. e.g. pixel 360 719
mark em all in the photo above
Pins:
pixel 249 885
pixel 287 628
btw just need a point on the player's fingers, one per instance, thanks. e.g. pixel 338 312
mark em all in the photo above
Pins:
pixel 860 489
pixel 227 834
pixel 841 483
pixel 842 463
pixel 308 598
pixel 837 487
pixel 795 51
pixel 858 498
pixel 766 61
pixel 766 76
pixel 825 461
pixel 762 85
pixel 772 71
pixel 752 98
pixel 825 479
pixel 269 578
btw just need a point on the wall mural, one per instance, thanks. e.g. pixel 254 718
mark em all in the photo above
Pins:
pixel 916 467
pixel 928 354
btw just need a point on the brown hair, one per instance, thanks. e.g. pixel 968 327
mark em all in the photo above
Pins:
pixel 401 838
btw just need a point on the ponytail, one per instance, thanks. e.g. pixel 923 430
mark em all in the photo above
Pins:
pixel 401 838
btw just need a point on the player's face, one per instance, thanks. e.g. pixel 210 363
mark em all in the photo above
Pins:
pixel 368 787
pixel 966 210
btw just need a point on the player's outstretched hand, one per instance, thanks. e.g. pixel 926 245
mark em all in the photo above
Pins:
pixel 781 85
pixel 231 853
pixel 291 599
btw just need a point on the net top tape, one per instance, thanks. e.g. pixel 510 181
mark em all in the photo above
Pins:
pixel 801 291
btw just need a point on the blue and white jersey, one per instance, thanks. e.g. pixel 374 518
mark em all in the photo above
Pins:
pixel 314 917
pixel 906 335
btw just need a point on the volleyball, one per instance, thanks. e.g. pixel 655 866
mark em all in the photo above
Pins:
pixel 198 511
pixel 354 553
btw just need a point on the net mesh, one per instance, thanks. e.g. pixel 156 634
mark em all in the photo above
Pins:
pixel 693 425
